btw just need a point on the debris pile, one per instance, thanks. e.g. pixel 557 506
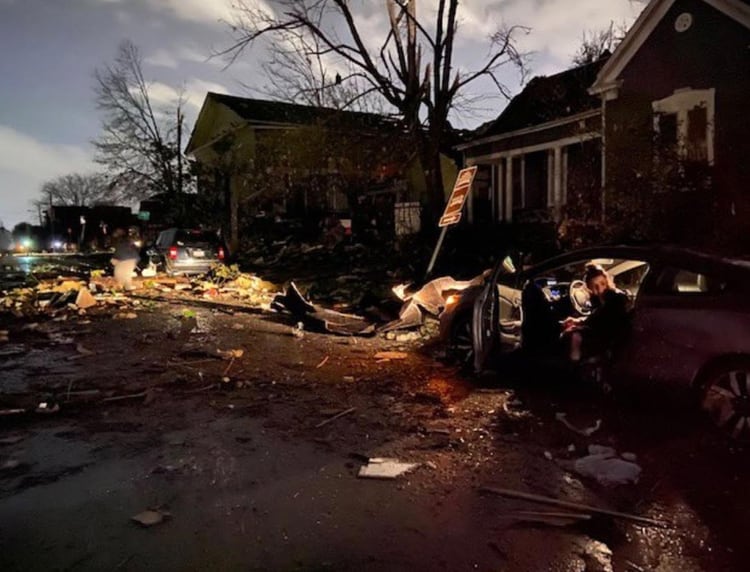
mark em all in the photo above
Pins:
pixel 221 283
pixel 60 297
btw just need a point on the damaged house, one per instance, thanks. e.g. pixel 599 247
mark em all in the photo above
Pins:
pixel 646 143
pixel 289 161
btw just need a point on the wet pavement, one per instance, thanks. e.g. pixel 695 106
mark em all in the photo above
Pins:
pixel 235 451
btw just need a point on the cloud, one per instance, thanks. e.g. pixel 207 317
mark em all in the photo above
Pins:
pixel 26 163
pixel 22 154
pixel 211 11
pixel 194 92
pixel 162 59
pixel 556 27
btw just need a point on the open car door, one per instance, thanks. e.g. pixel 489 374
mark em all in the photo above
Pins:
pixel 486 318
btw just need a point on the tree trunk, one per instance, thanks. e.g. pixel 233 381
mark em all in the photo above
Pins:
pixel 433 177
pixel 234 218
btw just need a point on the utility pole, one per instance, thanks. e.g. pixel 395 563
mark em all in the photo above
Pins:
pixel 179 150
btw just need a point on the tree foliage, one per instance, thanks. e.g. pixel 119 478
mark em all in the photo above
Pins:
pixel 140 144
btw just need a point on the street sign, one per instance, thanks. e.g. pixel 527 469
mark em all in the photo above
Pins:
pixel 461 189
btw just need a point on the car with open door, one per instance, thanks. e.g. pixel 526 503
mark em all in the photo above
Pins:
pixel 690 321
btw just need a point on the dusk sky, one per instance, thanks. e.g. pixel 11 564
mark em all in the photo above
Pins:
pixel 50 49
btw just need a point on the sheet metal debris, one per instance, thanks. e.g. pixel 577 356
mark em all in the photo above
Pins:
pixel 430 299
pixel 320 319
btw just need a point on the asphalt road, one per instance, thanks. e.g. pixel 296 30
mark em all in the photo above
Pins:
pixel 252 481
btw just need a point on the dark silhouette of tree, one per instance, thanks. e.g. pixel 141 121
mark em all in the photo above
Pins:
pixel 140 145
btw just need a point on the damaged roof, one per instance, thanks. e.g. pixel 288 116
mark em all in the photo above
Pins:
pixel 266 111
pixel 547 98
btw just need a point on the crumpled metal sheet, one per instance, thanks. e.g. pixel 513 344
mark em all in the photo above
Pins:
pixel 321 319
pixel 430 299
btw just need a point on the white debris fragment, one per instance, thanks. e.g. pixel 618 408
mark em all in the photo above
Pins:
pixel 382 468
pixel 587 432
pixel 603 465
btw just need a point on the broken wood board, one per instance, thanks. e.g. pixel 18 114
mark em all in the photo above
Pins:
pixel 513 494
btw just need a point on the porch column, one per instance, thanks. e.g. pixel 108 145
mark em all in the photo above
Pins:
pixel 558 179
pixel 551 177
pixel 497 183
pixel 508 189
pixel 470 206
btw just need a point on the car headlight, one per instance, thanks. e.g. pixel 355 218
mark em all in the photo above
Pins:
pixel 452 300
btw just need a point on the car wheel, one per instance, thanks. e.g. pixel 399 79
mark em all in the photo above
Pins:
pixel 726 399
pixel 461 346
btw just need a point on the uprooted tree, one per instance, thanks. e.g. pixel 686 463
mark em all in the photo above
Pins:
pixel 413 68
pixel 141 144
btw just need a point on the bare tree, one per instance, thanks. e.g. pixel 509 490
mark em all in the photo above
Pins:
pixel 76 190
pixel 597 43
pixel 140 145
pixel 413 70
pixel 299 71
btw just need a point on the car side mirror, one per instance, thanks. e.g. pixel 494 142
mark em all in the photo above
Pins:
pixel 508 265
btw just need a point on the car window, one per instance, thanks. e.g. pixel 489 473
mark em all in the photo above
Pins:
pixel 677 281
pixel 193 236
pixel 161 239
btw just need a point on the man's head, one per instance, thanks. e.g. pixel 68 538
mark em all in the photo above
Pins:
pixel 597 280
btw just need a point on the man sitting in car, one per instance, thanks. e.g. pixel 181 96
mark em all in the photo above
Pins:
pixel 608 321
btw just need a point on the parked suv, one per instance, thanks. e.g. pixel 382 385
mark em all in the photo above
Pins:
pixel 184 251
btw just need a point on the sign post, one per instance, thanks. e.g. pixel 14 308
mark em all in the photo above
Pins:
pixel 453 209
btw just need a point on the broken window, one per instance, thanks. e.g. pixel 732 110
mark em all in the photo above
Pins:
pixel 683 124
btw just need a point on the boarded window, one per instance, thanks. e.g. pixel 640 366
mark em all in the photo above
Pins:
pixel 697 130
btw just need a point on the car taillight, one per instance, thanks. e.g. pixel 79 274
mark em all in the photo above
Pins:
pixel 221 253
pixel 173 253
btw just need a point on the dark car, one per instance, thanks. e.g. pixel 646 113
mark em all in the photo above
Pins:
pixel 184 251
pixel 690 320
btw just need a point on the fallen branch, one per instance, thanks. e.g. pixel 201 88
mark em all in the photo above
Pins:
pixel 143 394
pixel 510 493
pixel 322 363
pixel 199 390
pixel 553 514
pixel 226 369
pixel 4 412
pixel 327 421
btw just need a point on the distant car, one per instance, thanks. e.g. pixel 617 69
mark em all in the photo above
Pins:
pixel 185 251
pixel 690 322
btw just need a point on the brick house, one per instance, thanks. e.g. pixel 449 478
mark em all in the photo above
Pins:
pixel 648 143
